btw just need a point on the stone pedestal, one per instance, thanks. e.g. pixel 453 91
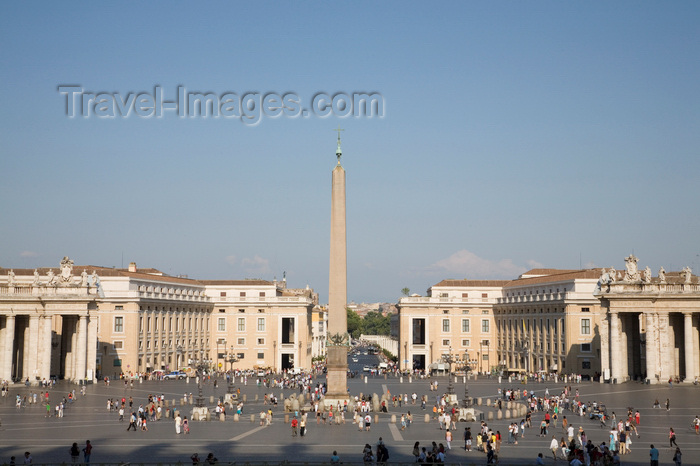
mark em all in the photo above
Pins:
pixel 200 413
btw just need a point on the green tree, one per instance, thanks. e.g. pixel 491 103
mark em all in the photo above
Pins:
pixel 355 324
pixel 405 291
pixel 376 324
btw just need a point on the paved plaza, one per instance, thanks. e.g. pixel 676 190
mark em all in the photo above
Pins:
pixel 49 439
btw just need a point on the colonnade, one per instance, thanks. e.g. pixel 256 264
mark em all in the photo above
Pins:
pixel 38 345
pixel 666 348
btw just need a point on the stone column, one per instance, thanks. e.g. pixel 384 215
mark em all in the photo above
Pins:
pixel 34 349
pixel 92 348
pixel 45 354
pixel 666 361
pixel 688 329
pixel 604 347
pixel 615 347
pixel 79 373
pixel 651 347
pixel 624 347
pixel 9 347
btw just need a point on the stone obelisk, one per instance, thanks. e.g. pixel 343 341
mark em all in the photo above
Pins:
pixel 338 338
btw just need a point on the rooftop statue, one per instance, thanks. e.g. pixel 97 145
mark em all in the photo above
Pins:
pixel 631 274
pixel 687 274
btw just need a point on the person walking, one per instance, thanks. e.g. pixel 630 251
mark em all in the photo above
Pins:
pixel 87 451
pixel 671 438
pixel 74 453
pixel 132 422
pixel 178 423
pixel 185 425
pixel 448 439
pixel 554 446
pixel 295 423
pixel 467 439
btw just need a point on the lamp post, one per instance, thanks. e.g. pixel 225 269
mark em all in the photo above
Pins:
pixel 200 364
pixel 468 365
pixel 231 358
pixel 178 351
pixel 449 359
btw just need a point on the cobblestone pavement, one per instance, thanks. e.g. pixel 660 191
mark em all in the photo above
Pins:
pixel 49 439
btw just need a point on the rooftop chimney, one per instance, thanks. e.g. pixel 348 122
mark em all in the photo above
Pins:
pixel 132 266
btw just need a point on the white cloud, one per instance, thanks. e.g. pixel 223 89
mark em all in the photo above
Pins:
pixel 466 264
pixel 231 260
pixel 256 265
pixel 28 254
pixel 533 264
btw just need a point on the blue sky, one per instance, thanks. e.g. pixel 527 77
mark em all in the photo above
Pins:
pixel 514 135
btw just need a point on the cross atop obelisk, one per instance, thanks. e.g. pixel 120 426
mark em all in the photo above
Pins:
pixel 338 152
pixel 338 339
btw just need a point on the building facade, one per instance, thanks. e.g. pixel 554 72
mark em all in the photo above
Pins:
pixel 548 321
pixel 617 326
pixel 456 318
pixel 86 322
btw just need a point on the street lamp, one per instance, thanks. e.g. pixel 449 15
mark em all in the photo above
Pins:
pixel 200 364
pixel 449 359
pixel 231 358
pixel 468 367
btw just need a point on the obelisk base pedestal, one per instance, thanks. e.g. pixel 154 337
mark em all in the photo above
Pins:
pixel 336 372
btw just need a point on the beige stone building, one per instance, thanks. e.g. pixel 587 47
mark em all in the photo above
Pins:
pixel 455 318
pixel 262 323
pixel 86 322
pixel 548 320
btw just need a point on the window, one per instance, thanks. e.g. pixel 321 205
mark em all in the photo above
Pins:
pixel 261 341
pixel 444 295
pixel 241 324
pixel 585 347
pixel 465 326
pixel 465 295
pixel 222 310
pixel 320 327
pixel 465 342
pixel 445 325
pixel 585 309
pixel 118 308
pixel 585 364
pixel 261 311
pixel 485 311
pixel 240 355
pixel 261 324
pixel 241 342
pixel 118 344
pixel 242 294
pixel 585 326
pixel 446 311
pixel 445 342
pixel 261 355
pixel 241 311
pixel 221 327
pixel 119 324
pixel 223 294
pixel 484 326
pixel 484 295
